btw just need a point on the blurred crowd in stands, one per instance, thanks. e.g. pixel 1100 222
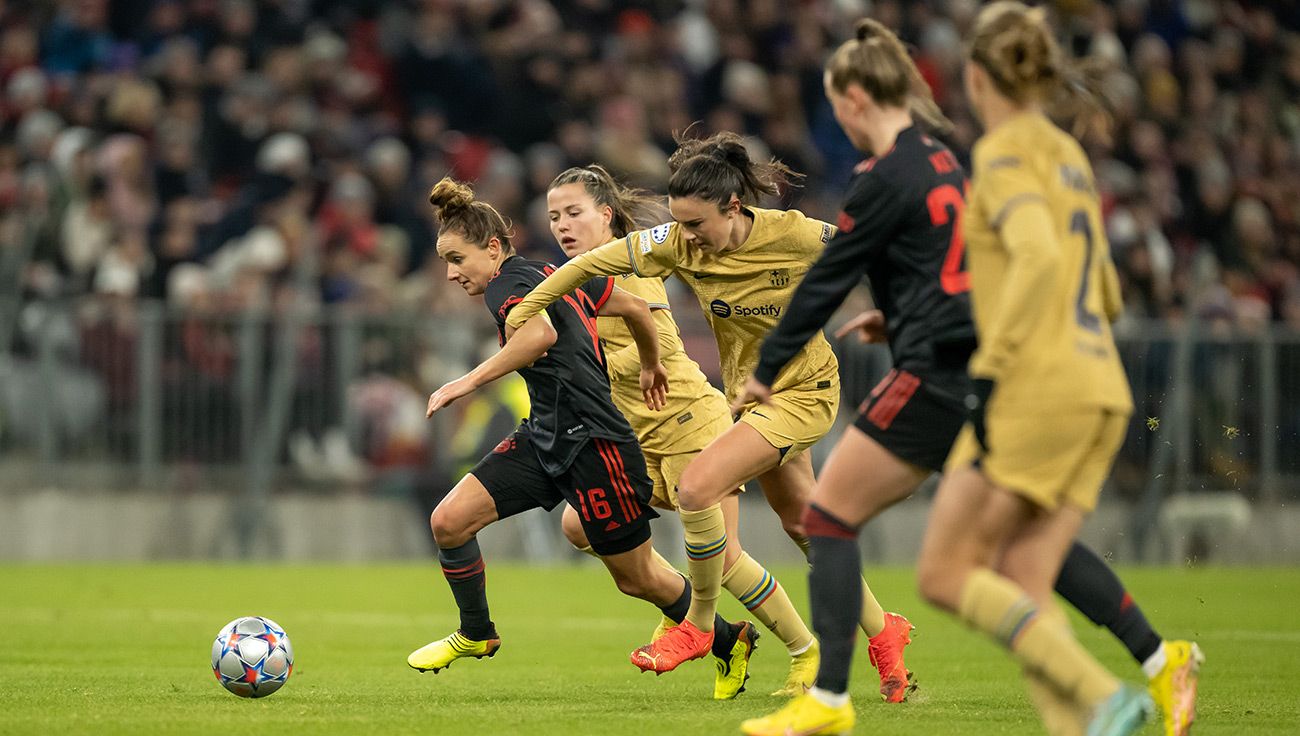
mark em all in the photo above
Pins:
pixel 198 151
pixel 223 155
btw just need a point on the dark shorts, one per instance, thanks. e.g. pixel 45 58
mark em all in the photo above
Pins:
pixel 607 485
pixel 911 419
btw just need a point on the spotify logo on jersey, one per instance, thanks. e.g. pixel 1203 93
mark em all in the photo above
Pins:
pixel 724 310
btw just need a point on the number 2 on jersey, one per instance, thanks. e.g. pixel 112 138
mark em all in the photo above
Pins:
pixel 946 205
pixel 1087 320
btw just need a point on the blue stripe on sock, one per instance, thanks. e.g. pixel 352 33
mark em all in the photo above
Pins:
pixel 755 595
pixel 707 549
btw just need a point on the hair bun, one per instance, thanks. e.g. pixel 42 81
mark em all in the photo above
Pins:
pixel 867 29
pixel 732 151
pixel 449 195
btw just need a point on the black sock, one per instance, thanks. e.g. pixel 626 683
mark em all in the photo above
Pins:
pixel 463 567
pixel 1089 584
pixel 835 591
pixel 724 633
pixel 724 636
pixel 676 611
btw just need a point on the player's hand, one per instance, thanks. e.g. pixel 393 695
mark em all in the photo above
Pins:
pixel 976 403
pixel 448 393
pixel 870 326
pixel 753 391
pixel 654 386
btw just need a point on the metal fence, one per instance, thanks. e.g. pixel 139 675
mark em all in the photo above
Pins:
pixel 127 394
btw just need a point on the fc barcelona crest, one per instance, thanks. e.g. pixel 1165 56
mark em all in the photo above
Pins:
pixel 779 276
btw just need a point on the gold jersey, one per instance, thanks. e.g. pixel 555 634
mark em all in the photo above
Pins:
pixel 660 431
pixel 1043 286
pixel 743 292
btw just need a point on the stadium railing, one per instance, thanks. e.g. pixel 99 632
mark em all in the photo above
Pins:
pixel 127 394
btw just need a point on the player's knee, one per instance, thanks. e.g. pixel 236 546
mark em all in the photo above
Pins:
pixel 935 584
pixel 572 527
pixel 694 491
pixel 448 530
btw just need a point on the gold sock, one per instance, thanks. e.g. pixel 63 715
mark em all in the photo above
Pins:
pixel 706 545
pixel 663 561
pixel 873 616
pixel 587 551
pixel 1000 608
pixel 1061 716
pixel 762 595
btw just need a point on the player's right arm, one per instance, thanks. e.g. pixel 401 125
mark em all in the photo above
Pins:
pixel 625 255
pixel 1023 221
pixel 526 345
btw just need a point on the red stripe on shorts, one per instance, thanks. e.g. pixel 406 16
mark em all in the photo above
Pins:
pixel 622 480
pixel 900 392
pixel 613 479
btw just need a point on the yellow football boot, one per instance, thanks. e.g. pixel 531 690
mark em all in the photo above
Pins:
pixel 806 716
pixel 440 654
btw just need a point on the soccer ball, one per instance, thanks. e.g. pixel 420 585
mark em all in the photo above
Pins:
pixel 252 657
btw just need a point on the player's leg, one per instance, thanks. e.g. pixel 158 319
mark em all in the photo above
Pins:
pixel 507 481
pixel 969 522
pixel 455 522
pixel 1089 585
pixel 788 489
pixel 760 592
pixel 1171 667
pixel 757 589
pixel 713 474
pixel 859 480
pixel 571 525
pixel 610 486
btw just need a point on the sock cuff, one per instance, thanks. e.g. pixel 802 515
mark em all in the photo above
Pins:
pixel 689 517
pixel 818 522
pixel 996 606
pixel 459 563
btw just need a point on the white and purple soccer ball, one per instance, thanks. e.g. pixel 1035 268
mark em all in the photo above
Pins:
pixel 252 657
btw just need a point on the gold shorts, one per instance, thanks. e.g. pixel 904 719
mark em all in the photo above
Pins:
pixel 708 420
pixel 795 419
pixel 1050 460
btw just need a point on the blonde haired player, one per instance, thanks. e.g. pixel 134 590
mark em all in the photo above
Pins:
pixel 1049 402
pixel 743 263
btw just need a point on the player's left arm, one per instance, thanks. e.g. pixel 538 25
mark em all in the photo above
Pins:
pixel 645 334
pixel 1023 221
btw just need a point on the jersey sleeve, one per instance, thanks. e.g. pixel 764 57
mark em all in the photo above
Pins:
pixel 610 259
pixel 867 225
pixel 599 290
pixel 1018 212
pixel 653 252
pixel 503 294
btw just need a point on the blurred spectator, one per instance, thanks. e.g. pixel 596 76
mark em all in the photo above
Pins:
pixel 223 156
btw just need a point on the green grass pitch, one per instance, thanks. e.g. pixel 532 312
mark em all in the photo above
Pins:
pixel 108 649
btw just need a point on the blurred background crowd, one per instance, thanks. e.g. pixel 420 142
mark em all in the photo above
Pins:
pixel 223 156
